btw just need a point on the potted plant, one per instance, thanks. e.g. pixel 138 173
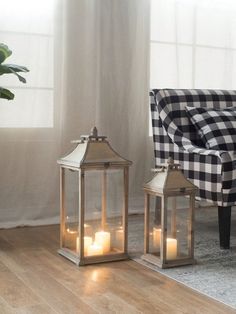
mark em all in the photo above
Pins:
pixel 5 52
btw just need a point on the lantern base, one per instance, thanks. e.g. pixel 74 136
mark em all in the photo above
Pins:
pixel 88 260
pixel 154 260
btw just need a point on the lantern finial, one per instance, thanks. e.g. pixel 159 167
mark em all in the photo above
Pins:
pixel 171 164
pixel 170 161
pixel 94 132
pixel 93 136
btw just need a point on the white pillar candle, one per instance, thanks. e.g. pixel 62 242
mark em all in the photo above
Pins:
pixel 171 248
pixel 87 242
pixel 94 249
pixel 103 238
pixel 156 234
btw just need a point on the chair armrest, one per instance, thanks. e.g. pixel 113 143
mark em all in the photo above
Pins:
pixel 227 160
pixel 188 146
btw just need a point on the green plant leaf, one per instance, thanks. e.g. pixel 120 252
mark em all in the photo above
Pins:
pixel 5 52
pixel 13 69
pixel 8 68
pixel 6 94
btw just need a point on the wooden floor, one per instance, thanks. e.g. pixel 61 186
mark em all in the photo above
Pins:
pixel 35 279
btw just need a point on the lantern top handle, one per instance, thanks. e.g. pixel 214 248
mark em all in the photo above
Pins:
pixel 170 165
pixel 92 137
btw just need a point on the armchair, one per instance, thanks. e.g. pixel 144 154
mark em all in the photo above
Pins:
pixel 212 171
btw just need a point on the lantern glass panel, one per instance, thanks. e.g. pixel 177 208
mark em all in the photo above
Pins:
pixel 178 227
pixel 71 208
pixel 103 216
pixel 154 224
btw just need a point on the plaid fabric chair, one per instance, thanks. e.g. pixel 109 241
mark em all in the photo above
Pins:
pixel 213 172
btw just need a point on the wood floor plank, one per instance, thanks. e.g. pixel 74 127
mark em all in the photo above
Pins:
pixel 136 295
pixel 36 309
pixel 15 292
pixel 109 303
pixel 13 261
pixel 5 307
pixel 54 294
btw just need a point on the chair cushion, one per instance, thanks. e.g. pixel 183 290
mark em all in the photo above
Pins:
pixel 216 127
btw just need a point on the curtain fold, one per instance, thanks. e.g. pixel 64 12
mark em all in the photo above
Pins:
pixel 124 80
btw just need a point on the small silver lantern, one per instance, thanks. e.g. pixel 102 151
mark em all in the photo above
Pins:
pixel 169 218
pixel 94 202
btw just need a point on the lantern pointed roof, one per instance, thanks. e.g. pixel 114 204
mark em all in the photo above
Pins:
pixel 93 151
pixel 168 178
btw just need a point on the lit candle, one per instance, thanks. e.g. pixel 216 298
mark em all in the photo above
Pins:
pixel 87 242
pixel 71 231
pixel 94 249
pixel 156 237
pixel 103 238
pixel 171 248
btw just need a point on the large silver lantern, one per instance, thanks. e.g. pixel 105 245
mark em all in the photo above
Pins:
pixel 94 202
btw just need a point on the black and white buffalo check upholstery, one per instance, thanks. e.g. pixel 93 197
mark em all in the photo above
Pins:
pixel 212 171
pixel 216 127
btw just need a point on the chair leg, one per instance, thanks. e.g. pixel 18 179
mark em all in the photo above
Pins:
pixel 224 221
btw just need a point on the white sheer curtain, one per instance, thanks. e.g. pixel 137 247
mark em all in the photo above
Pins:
pixel 193 44
pixel 101 50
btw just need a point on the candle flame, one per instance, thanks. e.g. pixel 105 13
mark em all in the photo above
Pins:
pixel 71 231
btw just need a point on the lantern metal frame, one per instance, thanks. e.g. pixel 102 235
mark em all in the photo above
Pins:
pixel 167 182
pixel 97 160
